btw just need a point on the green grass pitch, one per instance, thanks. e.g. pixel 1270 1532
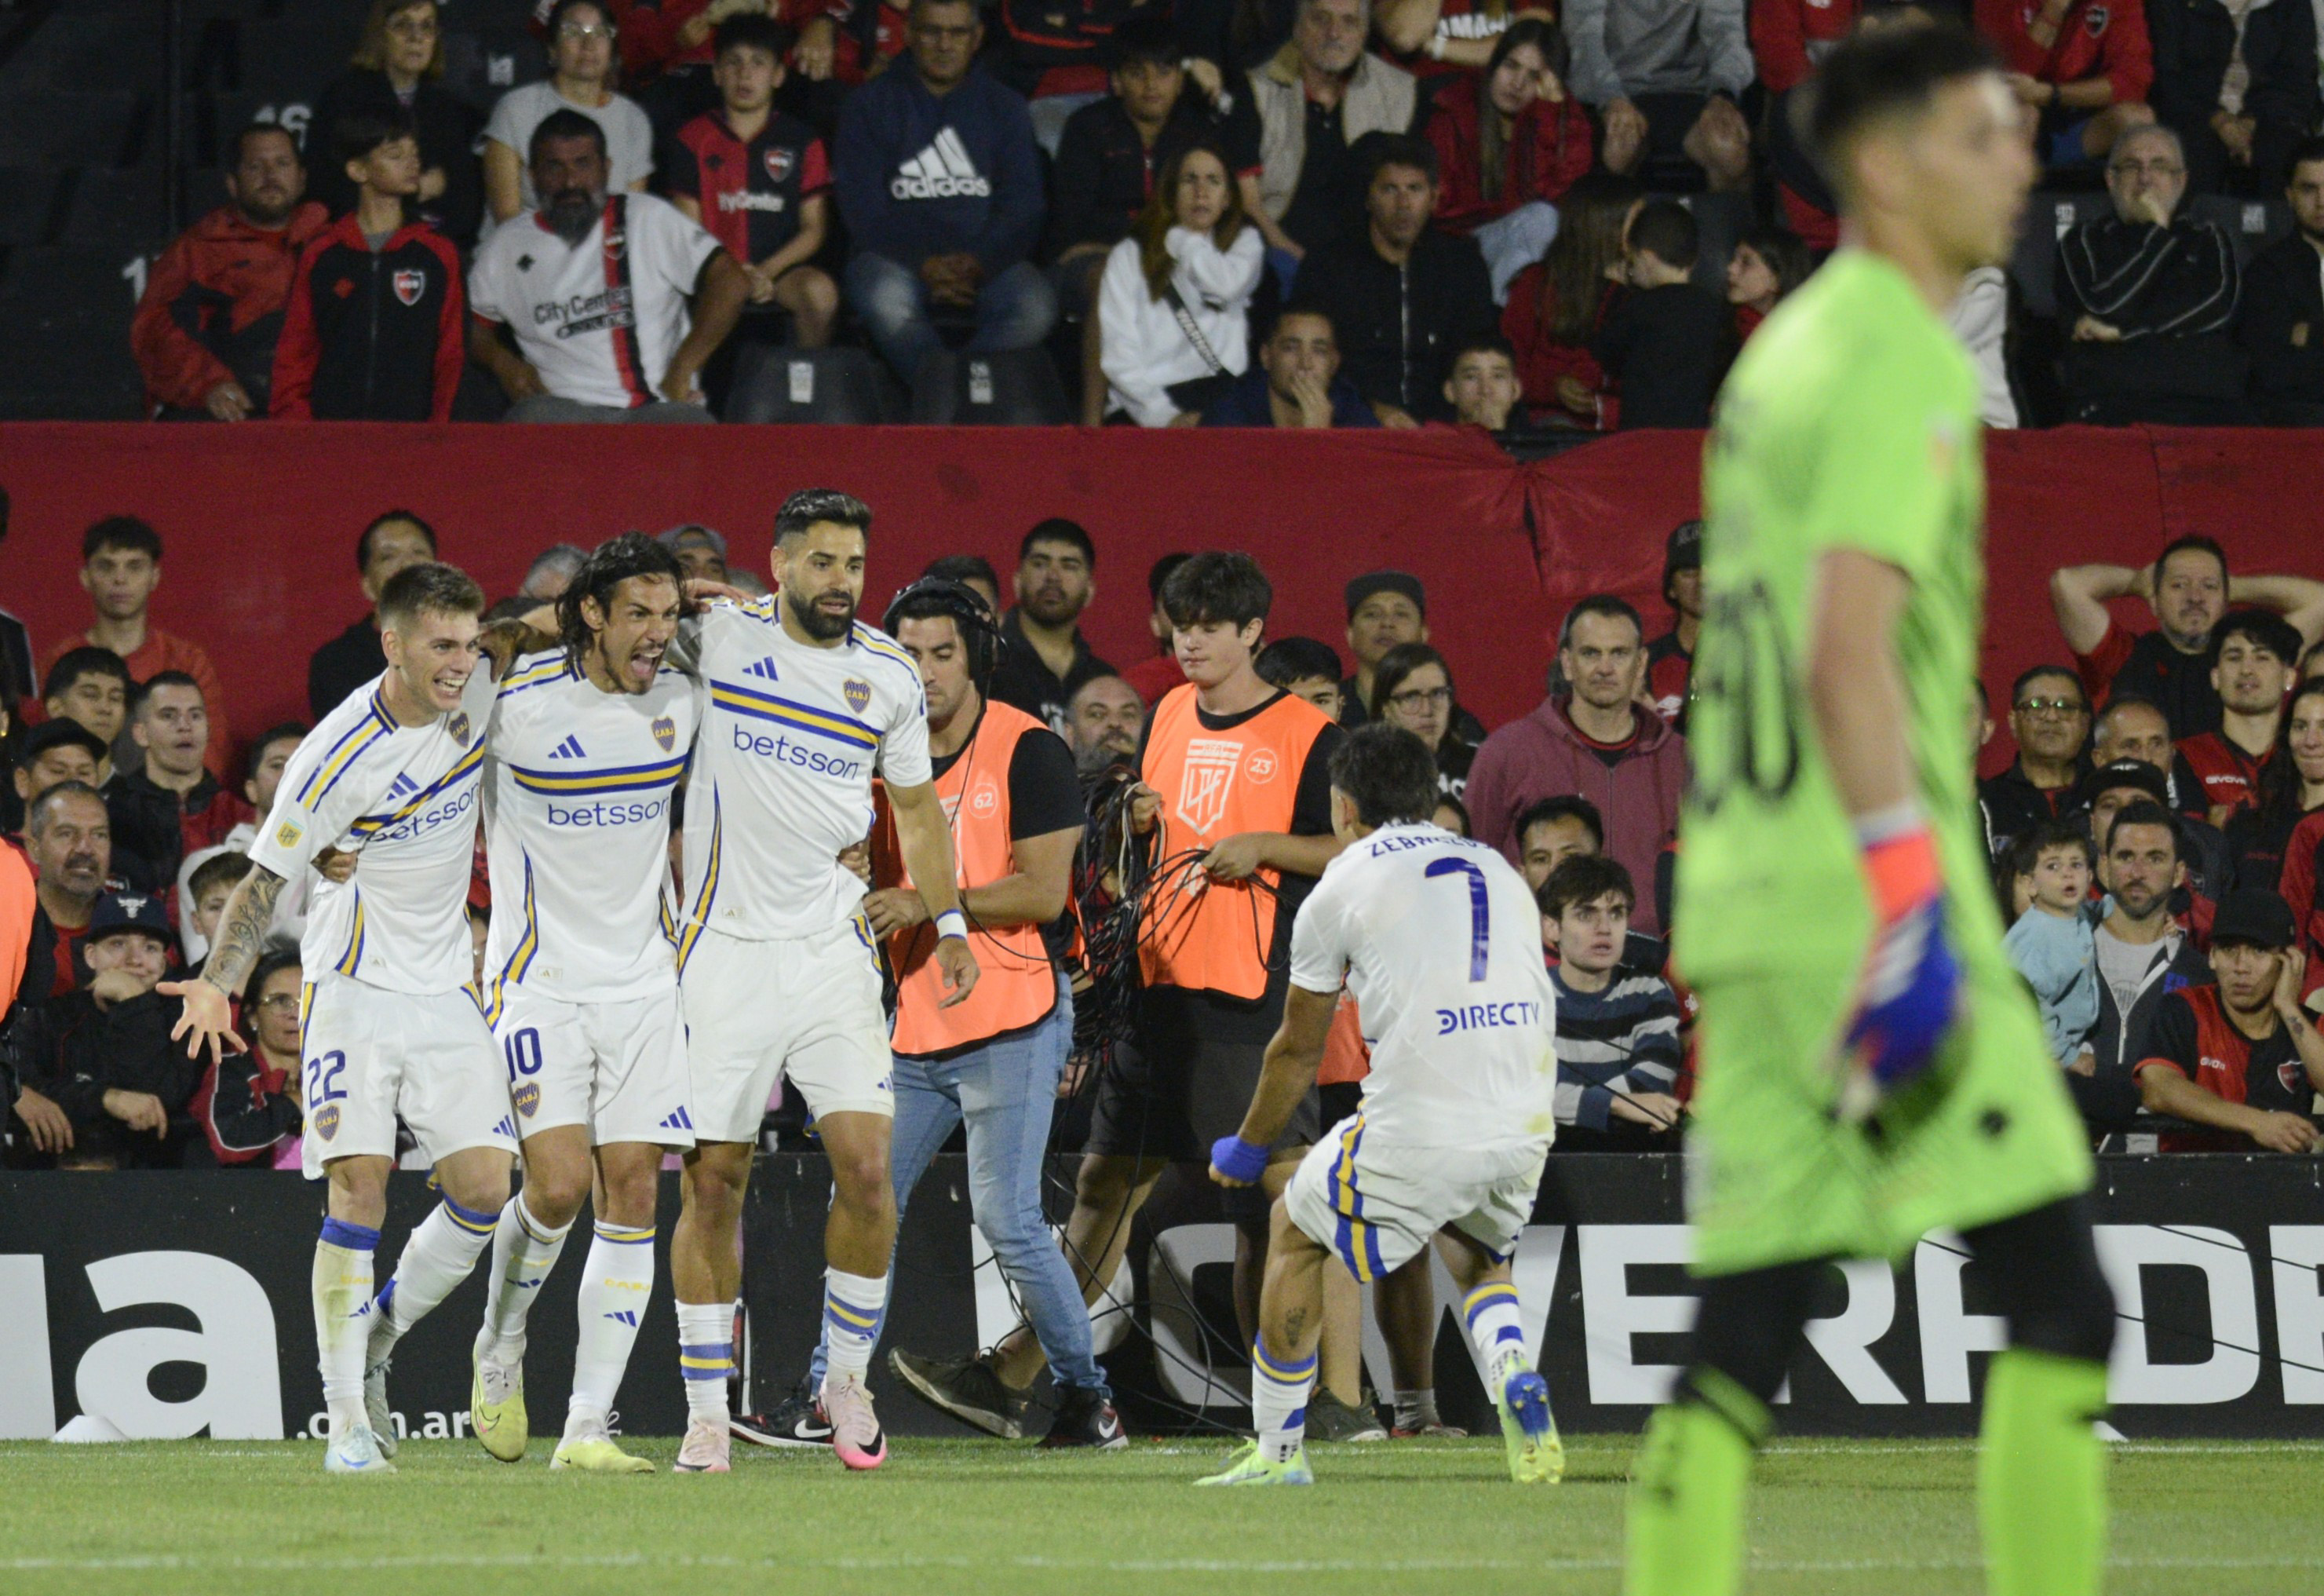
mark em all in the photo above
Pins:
pixel 199 1517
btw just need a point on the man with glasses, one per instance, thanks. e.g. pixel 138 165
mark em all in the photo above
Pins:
pixel 2147 297
pixel 2050 719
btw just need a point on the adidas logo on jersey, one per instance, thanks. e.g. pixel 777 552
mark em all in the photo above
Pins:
pixel 403 786
pixel 941 172
pixel 765 668
pixel 570 749
pixel 507 1127
pixel 679 1119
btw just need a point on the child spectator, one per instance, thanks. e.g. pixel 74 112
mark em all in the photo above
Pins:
pixel 1557 305
pixel 1618 1047
pixel 376 326
pixel 213 881
pixel 1508 144
pixel 759 180
pixel 1174 307
pixel 2051 944
pixel 1769 264
pixel 1666 342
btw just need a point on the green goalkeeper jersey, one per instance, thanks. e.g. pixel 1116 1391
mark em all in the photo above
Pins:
pixel 1849 422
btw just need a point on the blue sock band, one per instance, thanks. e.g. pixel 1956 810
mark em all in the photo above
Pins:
pixel 468 1218
pixel 355 1238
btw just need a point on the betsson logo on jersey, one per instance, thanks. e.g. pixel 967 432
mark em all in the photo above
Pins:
pixel 941 172
pixel 583 817
pixel 785 750
pixel 428 820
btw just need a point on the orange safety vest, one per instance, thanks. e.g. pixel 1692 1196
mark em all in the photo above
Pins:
pixel 1198 934
pixel 1016 984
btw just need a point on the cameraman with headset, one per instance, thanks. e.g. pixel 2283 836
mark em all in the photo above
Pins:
pixel 1014 801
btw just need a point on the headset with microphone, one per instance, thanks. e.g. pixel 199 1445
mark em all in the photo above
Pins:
pixel 980 633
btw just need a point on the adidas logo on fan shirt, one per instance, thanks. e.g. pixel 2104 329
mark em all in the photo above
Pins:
pixel 941 172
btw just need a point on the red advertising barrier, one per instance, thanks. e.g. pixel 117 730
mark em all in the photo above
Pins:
pixel 260 520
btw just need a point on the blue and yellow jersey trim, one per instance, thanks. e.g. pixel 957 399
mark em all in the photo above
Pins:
pixel 533 675
pixel 699 916
pixel 873 642
pixel 351 959
pixel 366 732
pixel 1355 1242
pixel 371 825
pixel 592 784
pixel 519 959
pixel 786 712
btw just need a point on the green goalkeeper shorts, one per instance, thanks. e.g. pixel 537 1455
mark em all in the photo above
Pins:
pixel 1774 1177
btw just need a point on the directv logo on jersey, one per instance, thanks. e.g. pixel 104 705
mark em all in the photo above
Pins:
pixel 941 172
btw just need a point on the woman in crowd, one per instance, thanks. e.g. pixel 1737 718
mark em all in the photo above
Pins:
pixel 1412 688
pixel 1557 306
pixel 2289 789
pixel 1174 305
pixel 1767 264
pixel 396 67
pixel 248 1104
pixel 1509 142
pixel 583 67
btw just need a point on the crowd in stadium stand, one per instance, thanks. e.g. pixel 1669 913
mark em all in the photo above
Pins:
pixel 1532 216
pixel 2156 839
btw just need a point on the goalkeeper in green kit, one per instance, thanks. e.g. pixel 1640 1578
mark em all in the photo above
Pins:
pixel 1873 1069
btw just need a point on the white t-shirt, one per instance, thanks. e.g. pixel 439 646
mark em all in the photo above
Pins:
pixel 628 137
pixel 1439 942
pixel 403 800
pixel 599 321
pixel 791 737
pixel 577 794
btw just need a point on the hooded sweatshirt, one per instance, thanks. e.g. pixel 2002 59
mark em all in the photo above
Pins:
pixel 920 174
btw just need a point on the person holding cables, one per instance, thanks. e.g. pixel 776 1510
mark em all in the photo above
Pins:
pixel 1008 787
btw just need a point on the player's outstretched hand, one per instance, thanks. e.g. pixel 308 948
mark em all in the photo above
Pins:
pixel 206 1019
pixel 958 966
pixel 1911 983
pixel 1236 1162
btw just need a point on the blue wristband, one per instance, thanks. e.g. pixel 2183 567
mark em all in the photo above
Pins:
pixel 1237 1159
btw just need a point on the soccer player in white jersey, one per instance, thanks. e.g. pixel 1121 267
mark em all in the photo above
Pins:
pixel 391 1027
pixel 587 743
pixel 1438 940
pixel 777 970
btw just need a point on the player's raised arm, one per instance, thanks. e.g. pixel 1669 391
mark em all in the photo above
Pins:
pixel 1286 1075
pixel 209 997
pixel 1855 695
pixel 926 842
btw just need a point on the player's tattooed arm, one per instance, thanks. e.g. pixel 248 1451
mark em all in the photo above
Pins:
pixel 234 953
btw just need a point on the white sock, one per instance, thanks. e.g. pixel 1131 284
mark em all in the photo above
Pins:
pixel 524 1251
pixel 444 1247
pixel 1278 1402
pixel 1490 1313
pixel 853 1305
pixel 342 1297
pixel 706 1356
pixel 1416 1410
pixel 616 1283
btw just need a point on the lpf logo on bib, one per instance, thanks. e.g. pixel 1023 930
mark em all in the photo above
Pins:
pixel 1208 780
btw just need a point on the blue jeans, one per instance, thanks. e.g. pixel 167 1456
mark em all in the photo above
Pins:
pixel 1006 1091
pixel 1014 310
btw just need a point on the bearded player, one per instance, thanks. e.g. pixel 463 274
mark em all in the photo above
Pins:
pixel 587 746
pixel 1875 1070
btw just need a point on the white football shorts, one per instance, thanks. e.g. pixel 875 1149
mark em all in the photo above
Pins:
pixel 804 1009
pixel 617 1067
pixel 372 1055
pixel 1375 1204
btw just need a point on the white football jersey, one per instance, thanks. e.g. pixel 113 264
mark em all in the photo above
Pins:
pixel 577 791
pixel 1439 941
pixel 791 737
pixel 599 320
pixel 403 800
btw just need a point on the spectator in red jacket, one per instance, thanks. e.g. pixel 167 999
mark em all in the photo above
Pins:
pixel 204 330
pixel 2085 65
pixel 1789 38
pixel 759 180
pixel 2255 657
pixel 1509 142
pixel 375 329
pixel 1556 307
pixel 1595 740
pixel 1767 264
pixel 121 566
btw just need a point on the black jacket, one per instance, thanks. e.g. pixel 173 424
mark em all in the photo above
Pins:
pixel 1022 679
pixel 2109 1097
pixel 72 1052
pixel 1665 348
pixel 2281 328
pixel 148 826
pixel 371 335
pixel 2014 805
pixel 346 663
pixel 1103 174
pixel 447 126
pixel 1398 326
pixel 2194 41
pixel 2172 294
